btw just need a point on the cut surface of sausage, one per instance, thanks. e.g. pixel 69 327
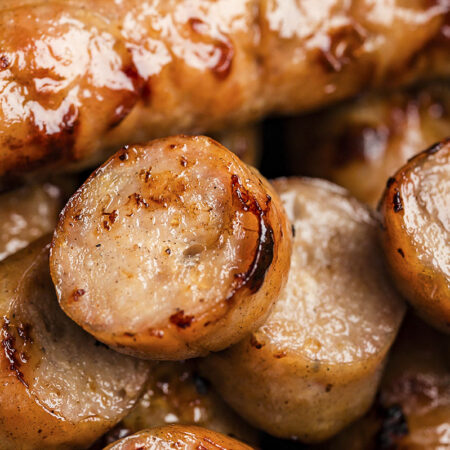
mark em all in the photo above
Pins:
pixel 416 232
pixel 171 250
pixel 315 364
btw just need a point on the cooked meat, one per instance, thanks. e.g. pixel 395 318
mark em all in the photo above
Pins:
pixel 360 144
pixel 315 364
pixel 413 409
pixel 178 436
pixel 171 250
pixel 26 214
pixel 81 77
pixel 175 394
pixel 416 232
pixel 60 388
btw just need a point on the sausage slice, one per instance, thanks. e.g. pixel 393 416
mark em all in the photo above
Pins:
pixel 178 436
pixel 59 387
pixel 416 232
pixel 171 250
pixel 315 364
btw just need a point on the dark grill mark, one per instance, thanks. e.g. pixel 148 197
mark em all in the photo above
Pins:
pixel 397 202
pixel 8 344
pixel 253 278
pixel 401 252
pixel 390 182
pixel 181 320
pixel 393 428
pixel 77 294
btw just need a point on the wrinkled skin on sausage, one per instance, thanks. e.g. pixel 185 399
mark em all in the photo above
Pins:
pixel 315 364
pixel 171 250
pixel 413 407
pixel 416 233
pixel 360 144
pixel 192 66
pixel 60 388
pixel 178 436
pixel 175 393
pixel 26 214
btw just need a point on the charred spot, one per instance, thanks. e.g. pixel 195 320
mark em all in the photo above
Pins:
pixel 280 355
pixel 181 320
pixel 254 343
pixel 4 62
pixel 128 334
pixel 77 294
pixel 397 202
pixel 393 428
pixel 201 385
pixel 24 331
pixel 106 225
pixel 293 230
pixel 183 161
pixel 401 252
pixel 254 277
pixel 124 155
pixel 146 174
pixel 168 251
pixel 140 201
pixel 10 351
pixel 328 387
pixel 342 47
pixel 390 182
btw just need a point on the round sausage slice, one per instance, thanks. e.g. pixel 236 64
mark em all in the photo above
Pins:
pixel 178 436
pixel 59 387
pixel 416 232
pixel 171 250
pixel 315 364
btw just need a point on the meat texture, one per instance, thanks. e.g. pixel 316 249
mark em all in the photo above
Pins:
pixel 171 250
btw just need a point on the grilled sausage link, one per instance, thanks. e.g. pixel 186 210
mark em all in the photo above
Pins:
pixel 79 78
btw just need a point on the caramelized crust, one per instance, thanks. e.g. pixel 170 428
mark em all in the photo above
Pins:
pixel 416 232
pixel 315 364
pixel 175 66
pixel 60 388
pixel 361 143
pixel 178 436
pixel 171 250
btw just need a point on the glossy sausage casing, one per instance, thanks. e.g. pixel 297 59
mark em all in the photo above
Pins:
pixel 81 77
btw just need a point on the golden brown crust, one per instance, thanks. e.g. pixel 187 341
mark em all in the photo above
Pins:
pixel 192 67
pixel 185 217
pixel 361 143
pixel 178 436
pixel 415 233
pixel 59 390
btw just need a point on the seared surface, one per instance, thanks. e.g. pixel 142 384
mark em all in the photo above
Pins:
pixel 79 77
pixel 60 388
pixel 171 250
pixel 416 232
pixel 315 364
pixel 178 436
